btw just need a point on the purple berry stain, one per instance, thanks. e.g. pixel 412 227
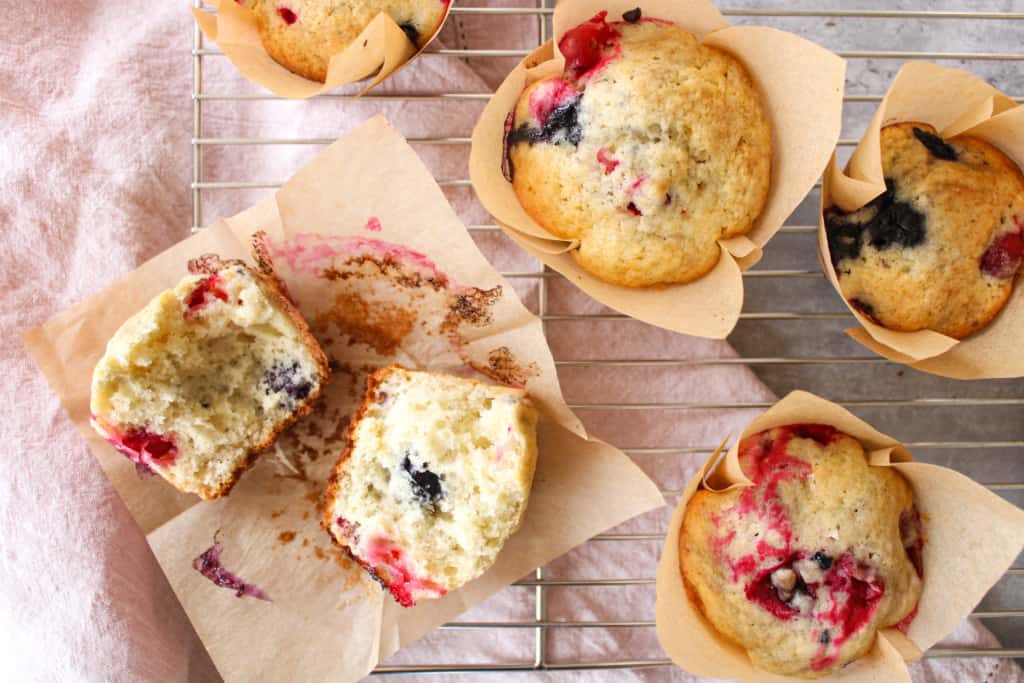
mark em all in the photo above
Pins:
pixel 283 378
pixel 209 565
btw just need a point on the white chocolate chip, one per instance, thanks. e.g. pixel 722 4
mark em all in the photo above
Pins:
pixel 809 571
pixel 784 579
pixel 801 602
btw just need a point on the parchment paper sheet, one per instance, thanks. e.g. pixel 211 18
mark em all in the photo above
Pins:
pixel 379 50
pixel 327 619
pixel 972 537
pixel 955 102
pixel 802 86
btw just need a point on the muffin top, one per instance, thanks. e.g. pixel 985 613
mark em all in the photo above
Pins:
pixel 804 566
pixel 303 35
pixel 648 149
pixel 941 247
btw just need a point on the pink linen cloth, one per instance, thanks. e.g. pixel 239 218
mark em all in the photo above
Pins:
pixel 94 171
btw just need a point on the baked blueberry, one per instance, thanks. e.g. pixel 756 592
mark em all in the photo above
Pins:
pixel 426 486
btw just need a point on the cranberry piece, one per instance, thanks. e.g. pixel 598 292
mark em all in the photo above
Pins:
pixel 583 47
pixel 289 17
pixel 204 293
pixel 1003 257
pixel 606 161
pixel 145 449
pixel 631 208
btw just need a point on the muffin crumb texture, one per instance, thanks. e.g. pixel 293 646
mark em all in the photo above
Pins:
pixel 803 567
pixel 435 479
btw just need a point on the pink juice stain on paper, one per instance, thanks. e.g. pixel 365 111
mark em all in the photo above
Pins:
pixel 384 557
pixel 373 225
pixel 308 252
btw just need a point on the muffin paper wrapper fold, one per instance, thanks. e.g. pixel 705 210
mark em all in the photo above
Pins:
pixel 972 536
pixel 802 87
pixel 381 49
pixel 954 102
pixel 328 620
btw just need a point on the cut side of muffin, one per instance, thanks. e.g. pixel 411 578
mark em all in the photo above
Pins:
pixel 199 382
pixel 435 478
pixel 803 567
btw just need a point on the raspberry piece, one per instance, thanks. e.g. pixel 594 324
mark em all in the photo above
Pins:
pixel 606 161
pixel 583 47
pixel 205 292
pixel 1003 257
pixel 289 17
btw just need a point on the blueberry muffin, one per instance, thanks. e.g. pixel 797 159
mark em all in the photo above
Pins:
pixel 940 249
pixel 303 35
pixel 802 568
pixel 199 382
pixel 435 479
pixel 648 149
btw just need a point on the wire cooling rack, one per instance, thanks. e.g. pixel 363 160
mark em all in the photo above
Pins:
pixel 790 332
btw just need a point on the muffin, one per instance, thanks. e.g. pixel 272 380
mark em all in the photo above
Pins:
pixel 647 150
pixel 803 567
pixel 303 35
pixel 202 380
pixel 434 480
pixel 940 249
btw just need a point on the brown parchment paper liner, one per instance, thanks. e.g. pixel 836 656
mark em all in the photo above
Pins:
pixel 802 86
pixel 972 537
pixel 955 102
pixel 381 49
pixel 328 620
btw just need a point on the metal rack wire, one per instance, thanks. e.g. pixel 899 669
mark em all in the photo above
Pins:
pixel 948 410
